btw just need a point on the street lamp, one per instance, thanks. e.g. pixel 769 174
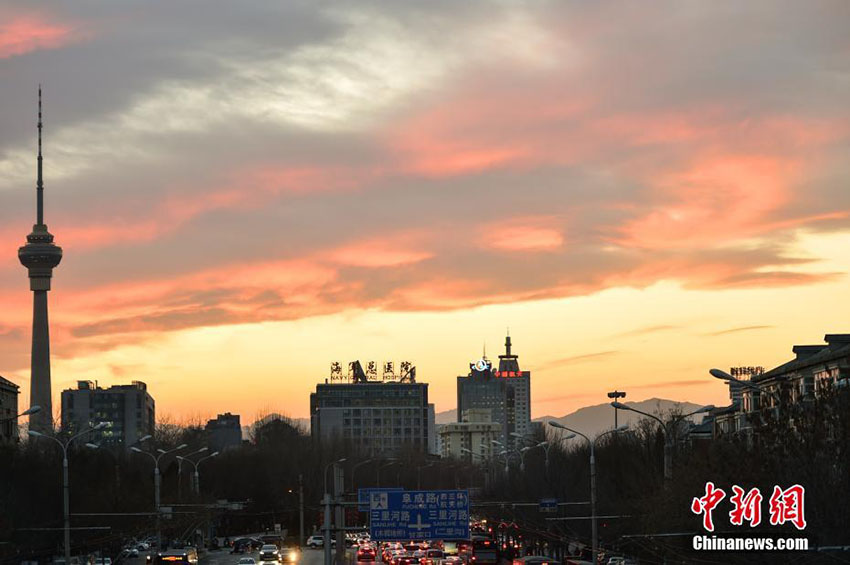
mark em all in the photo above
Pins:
pixel 550 444
pixel 669 434
pixel 616 395
pixel 419 474
pixel 194 483
pixel 592 444
pixel 724 376
pixel 156 483
pixel 34 409
pixel 66 488
pixel 389 463
pixel 354 470
pixel 180 459
pixel 525 450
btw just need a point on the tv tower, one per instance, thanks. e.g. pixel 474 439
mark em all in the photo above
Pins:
pixel 40 256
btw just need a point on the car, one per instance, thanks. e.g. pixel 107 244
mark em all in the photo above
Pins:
pixel 269 552
pixel 315 541
pixel 246 561
pixel 290 555
pixel 103 561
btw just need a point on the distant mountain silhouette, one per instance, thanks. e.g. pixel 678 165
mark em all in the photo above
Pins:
pixel 592 420
pixel 589 420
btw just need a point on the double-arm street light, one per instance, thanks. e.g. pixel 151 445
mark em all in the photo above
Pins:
pixel 156 483
pixel 592 444
pixel 180 459
pixel 195 484
pixel 550 444
pixel 525 450
pixel 669 433
pixel 66 488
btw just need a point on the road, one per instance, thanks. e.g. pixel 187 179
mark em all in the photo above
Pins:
pixel 223 557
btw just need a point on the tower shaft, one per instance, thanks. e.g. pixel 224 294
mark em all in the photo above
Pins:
pixel 40 386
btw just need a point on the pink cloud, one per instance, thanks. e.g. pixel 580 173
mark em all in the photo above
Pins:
pixel 22 34
pixel 391 251
pixel 522 234
pixel 713 200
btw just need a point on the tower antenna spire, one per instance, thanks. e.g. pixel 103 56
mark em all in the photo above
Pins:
pixel 39 185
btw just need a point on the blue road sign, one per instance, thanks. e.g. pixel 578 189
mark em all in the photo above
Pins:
pixel 419 515
pixel 363 495
pixel 548 504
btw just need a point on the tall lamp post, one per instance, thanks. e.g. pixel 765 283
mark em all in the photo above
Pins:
pixel 195 483
pixel 66 488
pixel 419 474
pixel 669 433
pixel 354 471
pixel 327 502
pixel 180 459
pixel 592 444
pixel 616 395
pixel 156 483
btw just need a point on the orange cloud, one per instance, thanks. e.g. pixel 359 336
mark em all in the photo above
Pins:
pixel 23 34
pixel 715 200
pixel 520 235
pixel 377 253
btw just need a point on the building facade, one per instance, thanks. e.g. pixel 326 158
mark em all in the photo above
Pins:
pixel 8 410
pixel 813 370
pixel 471 439
pixel 505 392
pixel 225 432
pixel 378 417
pixel 129 411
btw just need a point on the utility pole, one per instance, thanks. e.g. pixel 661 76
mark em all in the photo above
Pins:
pixel 301 510
pixel 326 528
pixel 339 521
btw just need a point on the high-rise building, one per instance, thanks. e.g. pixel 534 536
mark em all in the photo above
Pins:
pixel 520 382
pixel 225 432
pixel 8 410
pixel 129 411
pixel 376 416
pixel 40 256
pixel 505 391
pixel 481 390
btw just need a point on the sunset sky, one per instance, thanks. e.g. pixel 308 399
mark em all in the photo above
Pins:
pixel 248 191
